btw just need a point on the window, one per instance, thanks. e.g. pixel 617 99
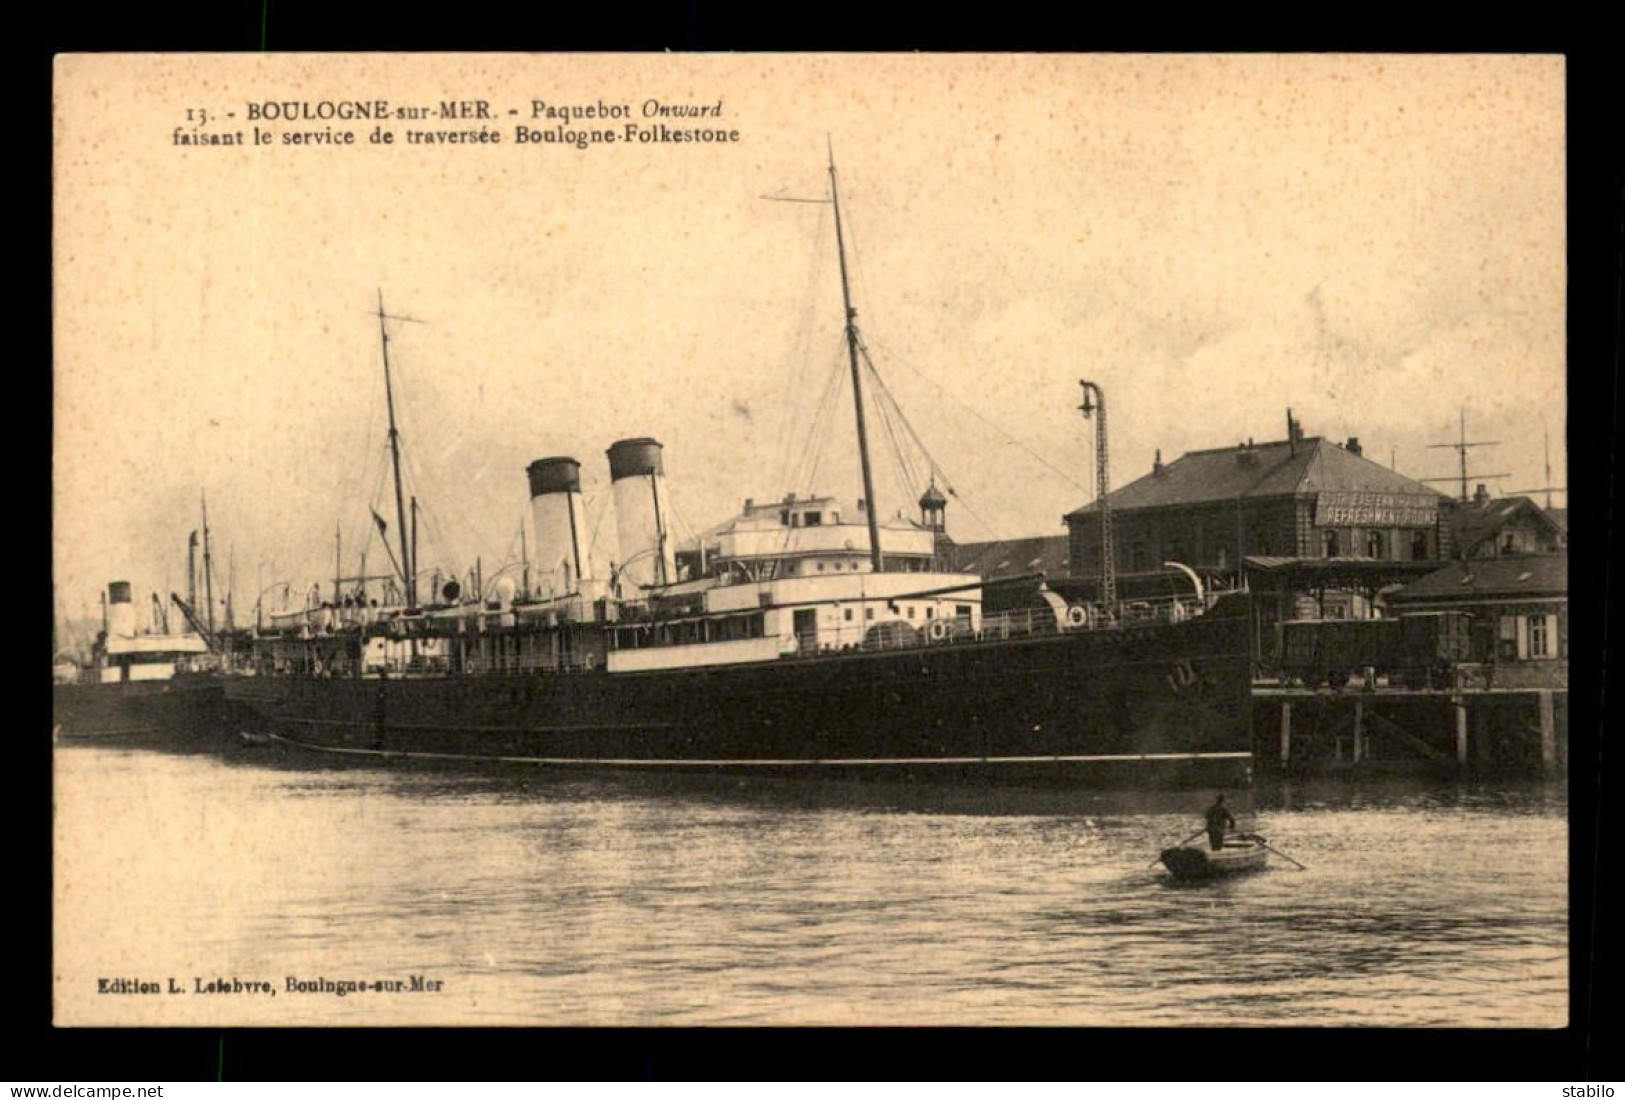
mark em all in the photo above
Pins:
pixel 1376 546
pixel 1331 544
pixel 784 517
pixel 1419 545
pixel 868 613
pixel 1539 640
pixel 813 519
pixel 847 614
pixel 820 567
pixel 911 611
pixel 1508 543
pixel 1506 639
pixel 930 612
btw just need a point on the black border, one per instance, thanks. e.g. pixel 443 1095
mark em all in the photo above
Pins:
pixel 1588 1049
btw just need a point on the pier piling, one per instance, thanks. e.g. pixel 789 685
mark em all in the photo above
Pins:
pixel 1548 732
pixel 1461 734
pixel 1286 734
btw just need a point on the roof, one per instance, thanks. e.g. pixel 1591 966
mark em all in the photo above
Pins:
pixel 1226 474
pixel 1525 575
pixel 1011 557
pixel 1559 516
pixel 1471 523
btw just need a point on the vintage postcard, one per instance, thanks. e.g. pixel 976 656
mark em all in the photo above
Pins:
pixel 810 539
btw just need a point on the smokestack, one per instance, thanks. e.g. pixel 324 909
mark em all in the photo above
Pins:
pixel 642 512
pixel 1481 495
pixel 120 611
pixel 560 518
pixel 1353 445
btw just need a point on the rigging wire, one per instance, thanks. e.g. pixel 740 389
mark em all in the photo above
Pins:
pixel 887 399
pixel 800 352
pixel 905 468
pixel 806 471
pixel 1034 455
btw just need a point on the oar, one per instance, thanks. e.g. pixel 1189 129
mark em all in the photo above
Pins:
pixel 1187 840
pixel 1277 851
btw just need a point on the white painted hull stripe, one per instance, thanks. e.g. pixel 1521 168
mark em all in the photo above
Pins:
pixel 633 762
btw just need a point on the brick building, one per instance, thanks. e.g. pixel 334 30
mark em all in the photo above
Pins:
pixel 1298 498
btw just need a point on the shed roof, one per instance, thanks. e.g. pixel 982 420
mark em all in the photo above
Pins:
pixel 1045 554
pixel 1514 575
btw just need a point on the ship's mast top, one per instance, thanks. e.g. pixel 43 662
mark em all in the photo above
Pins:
pixel 408 566
pixel 851 321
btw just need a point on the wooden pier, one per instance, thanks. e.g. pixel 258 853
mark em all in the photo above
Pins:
pixel 1478 731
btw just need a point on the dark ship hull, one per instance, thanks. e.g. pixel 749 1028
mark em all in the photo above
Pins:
pixel 1158 705
pixel 189 711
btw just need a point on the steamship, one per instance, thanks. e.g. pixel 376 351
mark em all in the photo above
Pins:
pixel 801 638
pixel 148 686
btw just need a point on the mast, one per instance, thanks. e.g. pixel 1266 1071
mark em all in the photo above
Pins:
pixel 395 457
pixel 524 558
pixel 411 599
pixel 857 378
pixel 208 568
pixel 191 569
pixel 338 563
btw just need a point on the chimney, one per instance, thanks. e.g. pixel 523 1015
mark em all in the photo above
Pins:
pixel 1291 433
pixel 637 475
pixel 1156 466
pixel 1481 495
pixel 1353 445
pixel 749 503
pixel 559 515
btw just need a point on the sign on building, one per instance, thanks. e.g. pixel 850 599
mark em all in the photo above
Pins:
pixel 1375 510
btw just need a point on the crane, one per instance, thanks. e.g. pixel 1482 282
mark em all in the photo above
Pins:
pixel 1094 405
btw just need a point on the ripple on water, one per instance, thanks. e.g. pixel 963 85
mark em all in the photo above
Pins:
pixel 594 901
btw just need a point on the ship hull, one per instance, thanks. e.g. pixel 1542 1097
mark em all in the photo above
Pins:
pixel 188 711
pixel 1158 705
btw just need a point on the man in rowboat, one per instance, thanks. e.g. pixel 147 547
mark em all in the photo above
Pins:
pixel 1218 818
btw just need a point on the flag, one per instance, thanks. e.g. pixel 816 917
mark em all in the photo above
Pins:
pixel 383 528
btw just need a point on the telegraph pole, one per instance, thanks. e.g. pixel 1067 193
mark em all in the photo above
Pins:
pixel 1461 447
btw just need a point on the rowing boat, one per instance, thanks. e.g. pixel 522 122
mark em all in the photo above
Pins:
pixel 1241 853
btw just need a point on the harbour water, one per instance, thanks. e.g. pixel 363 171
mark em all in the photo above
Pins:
pixel 566 899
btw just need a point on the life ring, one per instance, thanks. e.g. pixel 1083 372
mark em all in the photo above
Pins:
pixel 939 630
pixel 1076 616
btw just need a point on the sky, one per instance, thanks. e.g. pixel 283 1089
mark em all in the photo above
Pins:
pixel 1375 242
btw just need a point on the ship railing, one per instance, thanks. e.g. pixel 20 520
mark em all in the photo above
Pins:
pixel 1021 622
pixel 527 663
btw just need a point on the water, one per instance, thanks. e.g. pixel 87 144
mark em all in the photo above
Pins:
pixel 611 900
